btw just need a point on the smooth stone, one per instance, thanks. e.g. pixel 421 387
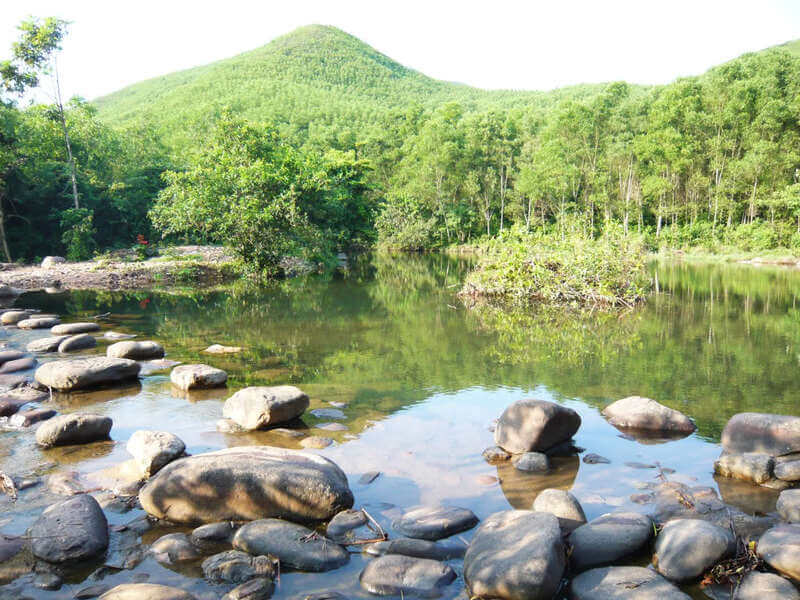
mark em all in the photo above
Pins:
pixel 146 591
pixel 116 336
pixel 9 381
pixel 38 323
pixel 316 442
pixel 14 399
pixel 229 426
pixel 197 377
pixel 259 407
pixel 74 328
pixel 296 547
pixel 12 317
pixel 533 462
pixel 49 262
pixel 220 349
pixel 81 341
pixel 753 467
pixel 135 350
pixel 687 548
pixel 417 548
pixel 259 588
pixel 152 450
pixel 595 459
pixel 26 418
pixel 48 581
pixel 636 412
pixel 623 583
pixel 235 566
pixel 755 586
pixel 174 547
pixel 71 530
pixel 10 355
pixel 763 433
pixel 328 413
pixel 342 524
pixel 435 522
pixel 608 539
pixel 515 555
pixel 74 428
pixel 788 471
pixel 48 344
pixel 80 373
pixel 788 505
pixel 495 454
pixel 563 505
pixel 247 483
pixel 535 426
pixel 395 574
pixel 779 547
pixel 21 364
pixel 215 533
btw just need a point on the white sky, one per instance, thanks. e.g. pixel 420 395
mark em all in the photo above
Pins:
pixel 533 44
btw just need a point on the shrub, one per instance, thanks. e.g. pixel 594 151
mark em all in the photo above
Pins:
pixel 78 233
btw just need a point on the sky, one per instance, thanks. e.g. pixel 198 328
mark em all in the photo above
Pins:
pixel 494 44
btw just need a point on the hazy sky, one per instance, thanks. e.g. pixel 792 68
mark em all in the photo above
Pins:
pixel 529 44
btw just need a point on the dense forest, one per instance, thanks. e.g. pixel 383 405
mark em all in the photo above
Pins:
pixel 316 142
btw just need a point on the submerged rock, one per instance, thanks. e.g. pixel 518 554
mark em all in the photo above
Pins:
pixel 563 505
pixel 74 328
pixel 532 462
pixel 10 355
pixel 295 546
pixel 247 483
pixel 173 548
pixel 636 412
pixel 235 566
pixel 788 505
pixel 609 538
pixel 435 522
pixel 146 591
pixel 81 341
pixel 259 588
pixel 154 449
pixel 74 428
pixel 316 442
pixel 194 377
pixel 515 555
pixel 259 407
pixel 762 433
pixel 71 530
pixel 623 583
pixel 80 373
pixel 26 418
pixel 495 455
pixel 686 548
pixel 395 574
pixel 135 350
pixel 535 426
pixel 779 547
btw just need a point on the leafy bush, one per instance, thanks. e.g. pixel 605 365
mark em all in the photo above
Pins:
pixel 78 233
pixel 402 225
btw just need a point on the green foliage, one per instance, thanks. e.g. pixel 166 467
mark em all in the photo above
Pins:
pixel 78 233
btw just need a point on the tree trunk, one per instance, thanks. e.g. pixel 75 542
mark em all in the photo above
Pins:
pixel 70 159
pixel 3 230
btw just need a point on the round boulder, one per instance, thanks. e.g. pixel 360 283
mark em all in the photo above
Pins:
pixel 686 548
pixel 10 355
pixel 80 373
pixel 81 341
pixel 135 350
pixel 532 462
pixel 623 583
pixel 535 426
pixel 235 566
pixel 763 433
pixel 192 377
pixel 20 364
pixel 435 522
pixel 38 323
pixel 72 530
pixel 788 505
pixel 259 407
pixel 12 317
pixel 636 412
pixel 74 328
pixel 563 505
pixel 609 538
pixel 394 574
pixel 755 586
pixel 74 428
pixel 154 449
pixel 146 591
pixel 173 548
pixel 48 344
pixel 780 549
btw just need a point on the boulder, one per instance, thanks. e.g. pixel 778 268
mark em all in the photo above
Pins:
pixel 10 355
pixel 259 407
pixel 21 364
pixel 779 547
pixel 495 454
pixel 146 591
pixel 259 588
pixel 417 548
pixel 687 548
pixel 174 548
pixel 341 526
pixel 154 449
pixel 12 317
pixel 763 433
pixel 535 426
pixel 247 483
pixel 214 533
pixel 609 538
pixel 750 466
pixel 563 505
pixel 623 583
pixel 38 323
pixel 192 377
pixel 47 344
pixel 12 400
pixel 74 328
pixel 636 412
pixel 788 471
pixel 295 546
pixel 754 586
pixel 71 530
pixel 74 428
pixel 235 566
pixel 135 350
pixel 80 373
pixel 788 505
pixel 435 522
pixel 395 574
pixel 81 341
pixel 26 418
pixel 532 462
pixel 52 261
pixel 515 555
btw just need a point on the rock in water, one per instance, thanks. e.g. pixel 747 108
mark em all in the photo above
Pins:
pixel 751 466
pixel 74 328
pixel 515 555
pixel 755 586
pixel 174 548
pixel 80 373
pixel 636 412
pixel 74 428
pixel 788 505
pixel 532 462
pixel 12 317
pixel 394 574
pixel 21 364
pixel 418 549
pixel 563 505
pixel 154 449
pixel 341 527
pixel 193 377
pixel 535 426
pixel 80 341
pixel 10 355
pixel 72 530
pixel 220 349
pixel 435 522
pixel 623 583
pixel 247 483
pixel 235 566
pixel 686 548
pixel 38 323
pixel 135 350
pixel 294 545
pixel 258 407
pixel 608 538
pixel 780 549
pixel 763 433
pixel 259 588
pixel 214 533
pixel 146 591
pixel 48 344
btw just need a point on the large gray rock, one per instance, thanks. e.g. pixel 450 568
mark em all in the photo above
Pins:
pixel 12 317
pixel 80 373
pixel 563 505
pixel 780 549
pixel 247 483
pixel 295 546
pixel 135 350
pixel 636 412
pixel 764 433
pixel 235 566
pixel 174 548
pixel 535 426
pixel 74 328
pixel 214 533
pixel 74 428
pixel 607 539
pixel 532 462
pixel 72 530
pixel 154 449
pixel 755 586
pixel 435 522
pixel 81 341
pixel 395 574
pixel 38 323
pixel 343 525
pixel 10 356
pixel 788 471
pixel 687 548
pixel 145 591
pixel 788 505
pixel 48 344
pixel 623 583
pixel 192 377
pixel 515 555
pixel 258 407
pixel 750 466
pixel 20 364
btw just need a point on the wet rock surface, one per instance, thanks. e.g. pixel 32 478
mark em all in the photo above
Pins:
pixel 535 426
pixel 74 328
pixel 623 583
pixel 174 548
pixel 153 449
pixel 531 462
pixel 755 586
pixel 636 412
pixel 608 539
pixel 74 428
pixel 235 566
pixel 81 373
pixel 258 407
pixel 255 589
pixel 751 466
pixel 686 548
pixel 761 433
pixel 418 548
pixel 146 591
pixel 779 547
pixel 563 505
pixel 74 343
pixel 395 574
pixel 435 522
pixel 71 530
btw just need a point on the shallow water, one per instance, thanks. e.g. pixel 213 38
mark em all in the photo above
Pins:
pixel 423 377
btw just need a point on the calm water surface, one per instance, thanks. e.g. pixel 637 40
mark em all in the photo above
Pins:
pixel 423 377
